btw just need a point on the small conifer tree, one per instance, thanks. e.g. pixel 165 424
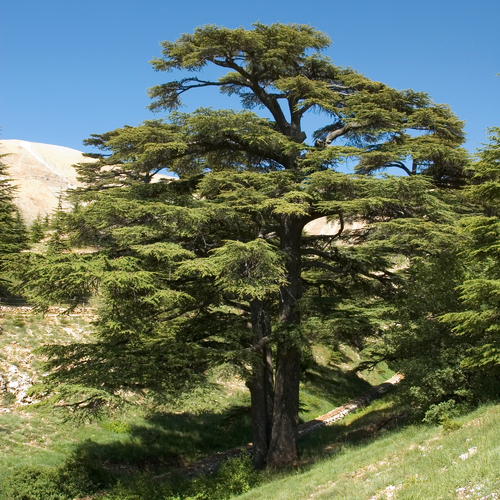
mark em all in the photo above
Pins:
pixel 37 231
pixel 12 229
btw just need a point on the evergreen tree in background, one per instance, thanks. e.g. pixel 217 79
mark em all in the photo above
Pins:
pixel 12 230
pixel 37 229
pixel 57 226
pixel 449 305
pixel 414 339
pixel 477 324
pixel 182 267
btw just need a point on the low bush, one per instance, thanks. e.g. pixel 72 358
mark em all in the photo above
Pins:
pixel 440 412
pixel 235 476
pixel 79 476
pixel 33 483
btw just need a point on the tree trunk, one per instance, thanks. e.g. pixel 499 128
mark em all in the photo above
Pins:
pixel 261 387
pixel 283 449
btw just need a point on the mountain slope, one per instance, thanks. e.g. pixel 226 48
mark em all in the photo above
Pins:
pixel 41 173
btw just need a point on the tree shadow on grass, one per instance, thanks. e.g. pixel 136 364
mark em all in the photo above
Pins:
pixel 167 441
pixel 369 426
pixel 334 384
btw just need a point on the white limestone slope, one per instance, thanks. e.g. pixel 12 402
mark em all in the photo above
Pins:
pixel 41 173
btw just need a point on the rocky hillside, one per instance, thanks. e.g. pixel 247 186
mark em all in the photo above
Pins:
pixel 41 173
pixel 21 332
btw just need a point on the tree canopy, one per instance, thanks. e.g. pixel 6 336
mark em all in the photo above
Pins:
pixel 216 266
pixel 477 324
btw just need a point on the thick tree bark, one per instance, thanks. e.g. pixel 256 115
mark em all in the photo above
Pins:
pixel 261 387
pixel 283 449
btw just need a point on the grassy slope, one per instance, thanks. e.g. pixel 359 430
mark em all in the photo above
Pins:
pixel 415 462
pixel 133 439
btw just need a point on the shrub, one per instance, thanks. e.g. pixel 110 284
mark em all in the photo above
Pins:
pixel 82 475
pixel 440 412
pixel 235 476
pixel 78 477
pixel 449 425
pixel 8 398
pixel 33 483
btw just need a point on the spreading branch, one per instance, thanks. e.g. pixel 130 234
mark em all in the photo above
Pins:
pixel 322 265
pixel 237 305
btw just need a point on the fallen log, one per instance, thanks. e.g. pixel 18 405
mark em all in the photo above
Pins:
pixel 358 402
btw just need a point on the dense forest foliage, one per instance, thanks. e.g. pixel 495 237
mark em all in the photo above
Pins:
pixel 215 267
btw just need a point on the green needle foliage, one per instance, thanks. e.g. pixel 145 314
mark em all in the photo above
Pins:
pixel 37 229
pixel 216 266
pixel 477 324
pixel 442 330
pixel 13 237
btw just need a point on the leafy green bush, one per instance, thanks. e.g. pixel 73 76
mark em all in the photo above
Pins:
pixel 139 488
pixel 8 398
pixel 82 474
pixel 450 425
pixel 33 483
pixel 234 477
pixel 78 477
pixel 440 412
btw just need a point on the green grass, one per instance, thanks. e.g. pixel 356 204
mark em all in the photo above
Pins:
pixel 137 441
pixel 331 380
pixel 342 461
pixel 414 462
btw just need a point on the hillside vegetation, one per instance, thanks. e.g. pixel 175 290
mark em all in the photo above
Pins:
pixel 139 439
pixel 458 460
pixel 366 456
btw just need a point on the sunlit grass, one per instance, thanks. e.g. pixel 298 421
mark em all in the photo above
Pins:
pixel 146 439
pixel 414 462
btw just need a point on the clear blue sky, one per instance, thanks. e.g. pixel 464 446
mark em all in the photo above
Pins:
pixel 72 68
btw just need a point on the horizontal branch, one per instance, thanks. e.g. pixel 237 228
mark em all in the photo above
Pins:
pixel 318 253
pixel 237 305
pixel 68 405
pixel 322 265
pixel 384 278
pixel 335 134
pixel 259 345
pixel 399 164
pixel 198 305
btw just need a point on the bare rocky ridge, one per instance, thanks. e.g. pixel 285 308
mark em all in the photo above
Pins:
pixel 41 173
